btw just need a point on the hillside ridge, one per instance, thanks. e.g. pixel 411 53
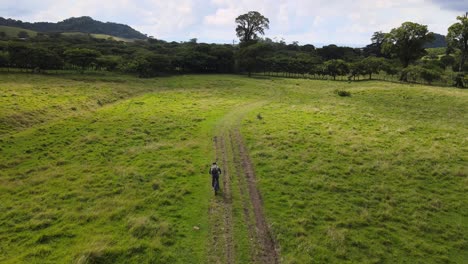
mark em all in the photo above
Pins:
pixel 83 24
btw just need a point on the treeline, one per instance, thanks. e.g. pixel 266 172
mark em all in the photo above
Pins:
pixel 152 57
pixel 143 57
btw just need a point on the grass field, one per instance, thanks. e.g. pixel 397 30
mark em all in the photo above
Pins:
pixel 113 169
pixel 12 32
pixel 378 177
pixel 98 36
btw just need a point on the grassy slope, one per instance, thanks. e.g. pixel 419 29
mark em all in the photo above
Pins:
pixel 379 177
pixel 123 182
pixel 98 36
pixel 36 99
pixel 13 31
pixel 354 179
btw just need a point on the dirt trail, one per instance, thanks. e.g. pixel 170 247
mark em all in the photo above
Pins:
pixel 227 198
pixel 221 211
pixel 268 250
pixel 233 154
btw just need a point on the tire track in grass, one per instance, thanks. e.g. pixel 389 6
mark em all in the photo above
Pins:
pixel 264 248
pixel 227 198
pixel 268 249
pixel 244 197
pixel 222 246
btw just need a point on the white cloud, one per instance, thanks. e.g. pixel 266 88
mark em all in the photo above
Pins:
pixel 308 21
pixel 222 17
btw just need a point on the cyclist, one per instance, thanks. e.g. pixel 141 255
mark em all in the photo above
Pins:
pixel 215 171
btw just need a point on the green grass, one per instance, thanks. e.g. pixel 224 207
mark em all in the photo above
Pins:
pixel 12 32
pixel 98 36
pixel 439 52
pixel 378 177
pixel 38 99
pixel 113 169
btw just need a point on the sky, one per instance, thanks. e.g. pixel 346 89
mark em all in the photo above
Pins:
pixel 317 22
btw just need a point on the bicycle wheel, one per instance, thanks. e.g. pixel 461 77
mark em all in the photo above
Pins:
pixel 216 186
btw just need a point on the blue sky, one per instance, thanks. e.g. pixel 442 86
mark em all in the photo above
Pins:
pixel 307 21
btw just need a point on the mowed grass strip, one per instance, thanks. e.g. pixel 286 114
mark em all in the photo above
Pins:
pixel 377 177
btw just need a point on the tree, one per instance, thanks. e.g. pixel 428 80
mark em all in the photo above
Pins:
pixel 390 68
pixel 375 48
pixel 251 24
pixel 152 65
pixel 251 56
pixel 43 59
pixel 407 42
pixel 82 58
pixel 459 80
pixel 356 69
pixel 413 73
pixel 410 73
pixel 317 69
pixel 224 57
pixel 23 34
pixel 108 62
pixel 308 48
pixel 447 60
pixel 336 67
pixel 36 58
pixel 430 75
pixel 19 56
pixel 333 52
pixel 373 65
pixel 457 37
pixel 4 60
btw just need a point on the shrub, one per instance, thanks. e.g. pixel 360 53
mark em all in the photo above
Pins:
pixel 410 74
pixel 430 75
pixel 459 80
pixel 414 73
pixel 343 93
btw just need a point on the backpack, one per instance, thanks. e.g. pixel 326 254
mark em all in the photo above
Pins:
pixel 214 170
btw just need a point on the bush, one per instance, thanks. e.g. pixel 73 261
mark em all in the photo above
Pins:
pixel 430 75
pixel 447 60
pixel 343 93
pixel 410 74
pixel 414 73
pixel 459 80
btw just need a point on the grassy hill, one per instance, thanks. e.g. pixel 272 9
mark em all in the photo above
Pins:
pixel 114 169
pixel 438 42
pixel 12 32
pixel 97 36
pixel 78 24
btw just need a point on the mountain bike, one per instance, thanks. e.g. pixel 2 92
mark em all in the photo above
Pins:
pixel 216 185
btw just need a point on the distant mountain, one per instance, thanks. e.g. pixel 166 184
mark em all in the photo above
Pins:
pixel 83 24
pixel 439 42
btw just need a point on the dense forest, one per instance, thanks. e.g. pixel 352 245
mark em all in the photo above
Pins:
pixel 387 55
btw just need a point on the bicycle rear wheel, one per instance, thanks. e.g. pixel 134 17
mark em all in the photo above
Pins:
pixel 216 186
